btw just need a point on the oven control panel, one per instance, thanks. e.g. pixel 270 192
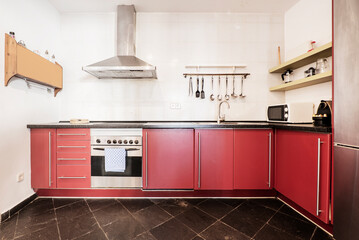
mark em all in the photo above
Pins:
pixel 116 140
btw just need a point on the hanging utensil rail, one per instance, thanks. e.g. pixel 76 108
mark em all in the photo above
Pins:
pixel 216 74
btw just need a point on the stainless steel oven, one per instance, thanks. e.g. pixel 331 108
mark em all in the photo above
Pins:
pixel 131 141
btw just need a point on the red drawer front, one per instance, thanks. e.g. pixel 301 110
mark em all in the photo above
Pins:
pixel 73 134
pixel 74 158
pixel 73 176
pixel 73 146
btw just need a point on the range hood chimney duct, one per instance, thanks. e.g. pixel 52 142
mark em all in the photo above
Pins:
pixel 125 65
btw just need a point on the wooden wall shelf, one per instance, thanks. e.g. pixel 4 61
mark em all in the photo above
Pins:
pixel 304 59
pixel 23 63
pixel 305 82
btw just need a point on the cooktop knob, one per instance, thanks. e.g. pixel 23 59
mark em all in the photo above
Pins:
pixel 131 142
pixel 114 141
pixel 98 141
pixel 286 115
pixel 136 141
pixel 108 141
pixel 119 141
pixel 125 141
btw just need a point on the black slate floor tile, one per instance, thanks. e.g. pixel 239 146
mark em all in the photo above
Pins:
pixel 110 214
pixel 221 231
pixel 172 229
pixel 38 206
pixel 271 233
pixel 61 202
pixel 145 236
pixel 159 219
pixel 151 216
pixel 134 205
pixel 248 218
pixel 28 223
pixel 196 219
pixel 49 232
pixel 174 206
pixel 7 228
pixel 197 238
pixel 72 210
pixel 96 204
pixel 195 201
pixel 96 234
pixel 215 208
pixel 232 202
pixel 321 235
pixel 124 228
pixel 293 226
pixel 71 228
pixel 290 212
pixel 268 202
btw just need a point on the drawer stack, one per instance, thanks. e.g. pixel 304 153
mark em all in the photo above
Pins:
pixel 73 158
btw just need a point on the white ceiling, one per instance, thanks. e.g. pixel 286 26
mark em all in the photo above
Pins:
pixel 248 6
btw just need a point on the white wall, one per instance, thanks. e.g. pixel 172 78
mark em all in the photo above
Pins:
pixel 38 24
pixel 308 20
pixel 170 41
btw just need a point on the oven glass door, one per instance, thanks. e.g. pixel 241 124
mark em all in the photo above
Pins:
pixel 133 163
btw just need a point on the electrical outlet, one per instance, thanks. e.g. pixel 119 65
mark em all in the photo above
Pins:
pixel 20 177
pixel 175 106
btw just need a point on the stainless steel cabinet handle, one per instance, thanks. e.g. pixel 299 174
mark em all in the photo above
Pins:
pixel 199 160
pixel 318 178
pixel 146 160
pixel 71 146
pixel 49 159
pixel 75 159
pixel 72 177
pixel 71 134
pixel 270 159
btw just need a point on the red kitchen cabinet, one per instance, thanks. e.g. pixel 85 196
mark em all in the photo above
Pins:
pixel 73 158
pixel 298 177
pixel 214 159
pixel 73 176
pixel 43 158
pixel 168 158
pixel 253 159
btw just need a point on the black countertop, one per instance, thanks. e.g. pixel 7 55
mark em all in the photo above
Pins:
pixel 185 124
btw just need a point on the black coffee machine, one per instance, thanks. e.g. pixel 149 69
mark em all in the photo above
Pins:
pixel 323 117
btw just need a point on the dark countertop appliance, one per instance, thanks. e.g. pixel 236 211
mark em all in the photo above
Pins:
pixel 323 117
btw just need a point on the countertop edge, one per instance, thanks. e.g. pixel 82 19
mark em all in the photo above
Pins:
pixel 244 125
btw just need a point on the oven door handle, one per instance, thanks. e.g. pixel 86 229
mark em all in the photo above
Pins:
pixel 127 149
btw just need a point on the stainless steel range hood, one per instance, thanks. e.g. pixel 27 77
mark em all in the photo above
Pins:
pixel 125 65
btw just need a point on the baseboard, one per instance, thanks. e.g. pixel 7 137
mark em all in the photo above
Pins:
pixel 6 215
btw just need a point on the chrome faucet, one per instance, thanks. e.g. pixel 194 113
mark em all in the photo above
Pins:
pixel 220 117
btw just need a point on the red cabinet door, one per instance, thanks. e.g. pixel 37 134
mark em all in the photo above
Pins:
pixel 168 158
pixel 298 177
pixel 73 176
pixel 214 159
pixel 253 159
pixel 43 158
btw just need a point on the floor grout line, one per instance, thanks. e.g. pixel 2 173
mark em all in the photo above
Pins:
pixel 96 219
pixel 267 222
pixel 219 219
pixel 57 222
pixel 315 229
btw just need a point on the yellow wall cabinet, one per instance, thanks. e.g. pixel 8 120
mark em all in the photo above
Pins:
pixel 23 63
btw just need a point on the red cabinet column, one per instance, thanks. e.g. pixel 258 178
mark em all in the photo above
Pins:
pixel 214 159
pixel 43 158
pixel 298 155
pixel 168 158
pixel 253 158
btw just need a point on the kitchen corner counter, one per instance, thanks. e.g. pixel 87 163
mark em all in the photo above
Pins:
pixel 187 124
